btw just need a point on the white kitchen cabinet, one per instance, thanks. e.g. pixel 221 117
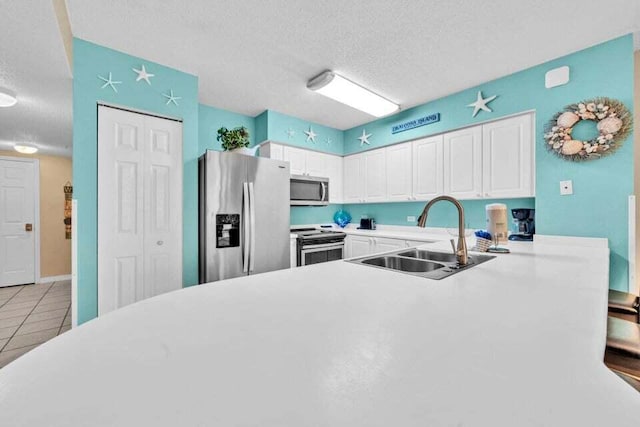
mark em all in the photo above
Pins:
pixel 375 172
pixel 463 163
pixel 334 172
pixel 293 252
pixel 310 163
pixel 507 154
pixel 385 244
pixel 356 246
pixel 297 159
pixel 316 164
pixel 354 179
pixel 399 172
pixel 427 171
pixel 365 177
pixel 272 151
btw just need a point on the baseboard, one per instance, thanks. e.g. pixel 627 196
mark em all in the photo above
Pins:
pixel 54 278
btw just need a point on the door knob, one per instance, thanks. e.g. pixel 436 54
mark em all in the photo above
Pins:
pixel 28 227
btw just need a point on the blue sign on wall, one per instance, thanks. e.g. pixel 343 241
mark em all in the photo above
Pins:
pixel 426 120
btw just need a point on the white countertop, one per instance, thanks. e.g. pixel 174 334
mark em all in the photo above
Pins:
pixel 516 341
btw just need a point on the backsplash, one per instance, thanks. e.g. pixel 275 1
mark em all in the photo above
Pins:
pixel 442 214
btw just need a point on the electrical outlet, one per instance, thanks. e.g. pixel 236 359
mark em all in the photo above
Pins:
pixel 411 218
pixel 566 188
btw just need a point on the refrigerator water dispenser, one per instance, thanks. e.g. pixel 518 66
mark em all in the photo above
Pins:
pixel 227 230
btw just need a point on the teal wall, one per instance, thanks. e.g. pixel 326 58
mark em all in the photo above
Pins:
pixel 210 119
pixel 279 123
pixel 442 214
pixel 89 61
pixel 303 215
pixel 598 207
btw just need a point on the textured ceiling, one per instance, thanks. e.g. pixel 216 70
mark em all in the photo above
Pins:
pixel 257 55
pixel 33 64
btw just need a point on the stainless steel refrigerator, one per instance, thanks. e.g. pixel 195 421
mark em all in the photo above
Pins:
pixel 244 215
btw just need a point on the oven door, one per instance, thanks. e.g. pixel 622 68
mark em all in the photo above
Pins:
pixel 309 191
pixel 315 254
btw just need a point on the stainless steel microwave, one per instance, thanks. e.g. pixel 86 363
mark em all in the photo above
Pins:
pixel 309 190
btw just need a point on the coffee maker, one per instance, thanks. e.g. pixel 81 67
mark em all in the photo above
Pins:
pixel 524 219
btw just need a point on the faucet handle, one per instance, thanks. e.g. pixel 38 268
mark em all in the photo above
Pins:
pixel 453 246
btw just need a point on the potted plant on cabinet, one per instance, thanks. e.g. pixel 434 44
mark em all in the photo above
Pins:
pixel 236 140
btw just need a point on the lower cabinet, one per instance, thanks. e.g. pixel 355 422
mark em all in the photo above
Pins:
pixel 357 246
pixel 293 252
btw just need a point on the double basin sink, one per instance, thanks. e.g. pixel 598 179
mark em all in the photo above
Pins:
pixel 423 263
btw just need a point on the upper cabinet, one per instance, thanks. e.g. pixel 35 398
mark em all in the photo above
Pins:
pixel 507 158
pixel 375 173
pixel 490 161
pixel 310 163
pixel 354 178
pixel 463 163
pixel 399 173
pixel 414 170
pixel 427 168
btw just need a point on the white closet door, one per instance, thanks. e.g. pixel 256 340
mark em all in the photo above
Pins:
pixel 139 207
pixel 162 206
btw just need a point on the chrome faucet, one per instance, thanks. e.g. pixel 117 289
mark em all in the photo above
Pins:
pixel 461 250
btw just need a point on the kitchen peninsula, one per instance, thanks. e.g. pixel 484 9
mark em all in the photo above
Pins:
pixel 515 341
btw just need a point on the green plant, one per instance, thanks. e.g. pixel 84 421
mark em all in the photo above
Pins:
pixel 234 138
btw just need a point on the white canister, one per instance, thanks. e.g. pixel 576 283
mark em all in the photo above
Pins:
pixel 497 222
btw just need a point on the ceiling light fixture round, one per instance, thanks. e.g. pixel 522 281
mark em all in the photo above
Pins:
pixel 7 98
pixel 25 149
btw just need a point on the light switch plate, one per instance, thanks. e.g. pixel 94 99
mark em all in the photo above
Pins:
pixel 411 219
pixel 566 188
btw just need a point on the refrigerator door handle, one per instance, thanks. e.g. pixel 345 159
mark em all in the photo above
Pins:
pixel 252 213
pixel 245 229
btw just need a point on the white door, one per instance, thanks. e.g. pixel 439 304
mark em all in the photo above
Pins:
pixel 316 164
pixel 139 207
pixel 353 179
pixel 399 172
pixel 463 163
pixel 507 157
pixel 375 182
pixel 427 168
pixel 17 221
pixel 297 159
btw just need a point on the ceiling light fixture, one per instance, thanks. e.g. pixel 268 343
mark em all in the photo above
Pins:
pixel 7 98
pixel 25 149
pixel 352 94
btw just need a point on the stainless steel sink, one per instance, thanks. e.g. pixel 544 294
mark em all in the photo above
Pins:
pixel 403 264
pixel 429 255
pixel 417 262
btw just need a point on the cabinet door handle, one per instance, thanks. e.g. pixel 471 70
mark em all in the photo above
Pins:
pixel 28 227
pixel 479 194
pixel 487 194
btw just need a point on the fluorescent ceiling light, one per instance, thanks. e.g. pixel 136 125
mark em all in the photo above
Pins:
pixel 25 149
pixel 7 98
pixel 342 90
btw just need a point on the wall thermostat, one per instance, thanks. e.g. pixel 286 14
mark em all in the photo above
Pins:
pixel 556 77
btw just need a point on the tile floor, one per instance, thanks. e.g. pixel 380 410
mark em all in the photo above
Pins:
pixel 31 315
